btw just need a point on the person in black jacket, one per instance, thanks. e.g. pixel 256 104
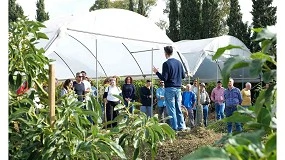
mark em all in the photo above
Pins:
pixel 145 94
pixel 128 92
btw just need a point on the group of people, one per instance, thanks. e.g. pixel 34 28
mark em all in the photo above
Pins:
pixel 170 98
pixel 225 100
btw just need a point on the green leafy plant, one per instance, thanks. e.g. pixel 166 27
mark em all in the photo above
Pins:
pixel 259 142
pixel 138 133
pixel 73 136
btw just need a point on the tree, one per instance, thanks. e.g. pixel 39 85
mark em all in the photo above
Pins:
pixel 224 10
pixel 131 5
pixel 264 14
pixel 236 26
pixel 99 4
pixel 162 24
pixel 190 22
pixel 123 4
pixel 211 18
pixel 41 14
pixel 141 8
pixel 15 11
pixel 173 21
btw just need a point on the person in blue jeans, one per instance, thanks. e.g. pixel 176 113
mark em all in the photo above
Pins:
pixel 188 101
pixel 217 96
pixel 233 98
pixel 172 75
pixel 162 113
pixel 204 101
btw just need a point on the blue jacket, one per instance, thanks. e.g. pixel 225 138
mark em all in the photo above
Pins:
pixel 188 99
pixel 159 93
pixel 232 97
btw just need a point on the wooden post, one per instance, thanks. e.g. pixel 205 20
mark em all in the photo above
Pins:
pixel 199 108
pixel 51 90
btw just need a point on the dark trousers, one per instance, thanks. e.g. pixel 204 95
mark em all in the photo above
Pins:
pixel 110 113
pixel 194 112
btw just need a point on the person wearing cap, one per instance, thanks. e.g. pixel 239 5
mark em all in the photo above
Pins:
pixel 145 95
pixel 204 101
pixel 188 101
pixel 232 99
pixel 217 96
pixel 162 113
pixel 172 75
pixel 78 87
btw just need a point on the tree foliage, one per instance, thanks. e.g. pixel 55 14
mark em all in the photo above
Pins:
pixel 236 26
pixel 41 15
pixel 211 19
pixel 131 5
pixel 123 4
pixel 190 22
pixel 173 30
pixel 264 14
pixel 141 9
pixel 15 11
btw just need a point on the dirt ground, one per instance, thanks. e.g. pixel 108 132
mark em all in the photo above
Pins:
pixel 187 142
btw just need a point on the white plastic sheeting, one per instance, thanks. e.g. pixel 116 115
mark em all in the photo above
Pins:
pixel 199 56
pixel 122 41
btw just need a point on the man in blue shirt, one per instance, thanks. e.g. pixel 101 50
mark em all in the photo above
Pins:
pixel 233 98
pixel 172 75
pixel 188 101
pixel 162 113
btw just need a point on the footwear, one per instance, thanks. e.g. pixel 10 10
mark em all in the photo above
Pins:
pixel 184 129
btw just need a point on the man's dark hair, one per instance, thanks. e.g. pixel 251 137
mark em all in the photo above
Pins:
pixel 168 50
pixel 83 72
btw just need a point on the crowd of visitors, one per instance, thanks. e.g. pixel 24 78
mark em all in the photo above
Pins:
pixel 172 97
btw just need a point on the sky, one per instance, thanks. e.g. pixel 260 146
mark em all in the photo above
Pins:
pixel 69 7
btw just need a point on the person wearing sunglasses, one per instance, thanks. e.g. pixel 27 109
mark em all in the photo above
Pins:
pixel 79 87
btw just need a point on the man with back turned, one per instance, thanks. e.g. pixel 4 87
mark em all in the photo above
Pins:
pixel 172 75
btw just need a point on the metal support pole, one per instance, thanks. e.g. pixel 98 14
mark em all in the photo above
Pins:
pixel 97 84
pixel 151 79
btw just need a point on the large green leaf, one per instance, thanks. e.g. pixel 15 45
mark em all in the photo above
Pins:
pixel 264 117
pixel 255 137
pixel 238 117
pixel 207 153
pixel 136 153
pixel 115 147
pixel 42 36
pixel 269 75
pixel 231 64
pixel 265 33
pixel 119 97
pixel 264 57
pixel 168 130
pixel 221 50
pixel 271 144
pixel 119 107
pixel 256 67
